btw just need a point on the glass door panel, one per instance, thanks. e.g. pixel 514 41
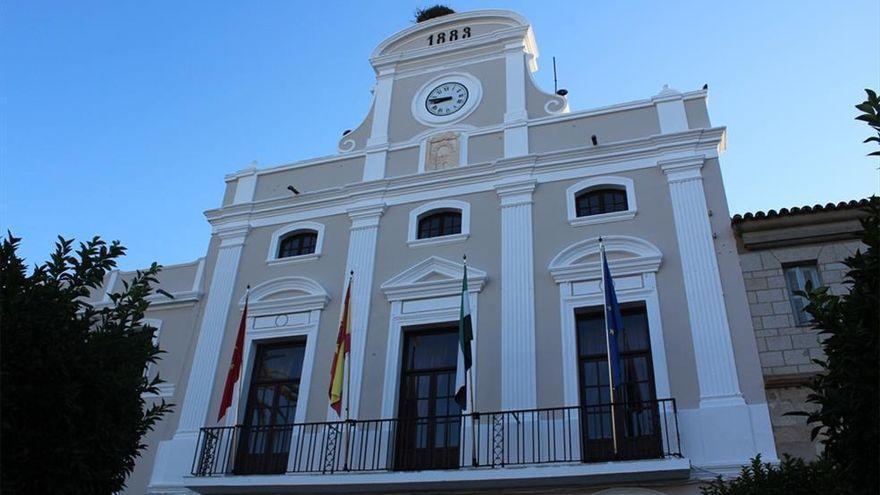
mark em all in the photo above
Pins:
pixel 264 438
pixel 429 419
pixel 635 413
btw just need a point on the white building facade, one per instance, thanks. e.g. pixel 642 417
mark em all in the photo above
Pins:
pixel 462 154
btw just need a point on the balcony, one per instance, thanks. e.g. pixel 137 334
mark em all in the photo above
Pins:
pixel 470 445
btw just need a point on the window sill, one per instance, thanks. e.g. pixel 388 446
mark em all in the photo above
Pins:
pixel 435 241
pixel 293 259
pixel 617 216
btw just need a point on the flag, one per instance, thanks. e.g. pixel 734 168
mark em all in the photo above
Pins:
pixel 613 322
pixel 343 345
pixel 465 336
pixel 235 365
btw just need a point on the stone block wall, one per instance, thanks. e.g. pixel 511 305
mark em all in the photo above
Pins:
pixel 786 348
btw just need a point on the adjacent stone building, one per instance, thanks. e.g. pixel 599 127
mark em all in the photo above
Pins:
pixel 780 251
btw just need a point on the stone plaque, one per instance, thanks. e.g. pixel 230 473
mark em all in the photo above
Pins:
pixel 442 151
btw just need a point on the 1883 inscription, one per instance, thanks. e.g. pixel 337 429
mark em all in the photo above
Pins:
pixel 451 35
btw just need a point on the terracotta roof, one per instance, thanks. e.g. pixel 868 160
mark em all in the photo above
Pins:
pixel 803 210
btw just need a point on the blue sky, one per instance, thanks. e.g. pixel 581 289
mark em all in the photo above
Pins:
pixel 120 119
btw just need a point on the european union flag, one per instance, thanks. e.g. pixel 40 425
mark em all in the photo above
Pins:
pixel 613 323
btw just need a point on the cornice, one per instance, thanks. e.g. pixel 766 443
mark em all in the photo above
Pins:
pixel 339 199
pixel 161 301
pixel 478 131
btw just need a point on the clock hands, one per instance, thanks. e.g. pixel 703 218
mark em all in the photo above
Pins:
pixel 440 100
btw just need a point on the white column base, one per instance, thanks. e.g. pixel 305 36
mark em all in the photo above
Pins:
pixel 174 460
pixel 727 436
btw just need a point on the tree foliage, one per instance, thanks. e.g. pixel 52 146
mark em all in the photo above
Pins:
pixel 792 476
pixel 870 109
pixel 847 391
pixel 73 375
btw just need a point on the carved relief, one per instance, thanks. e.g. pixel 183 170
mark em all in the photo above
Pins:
pixel 442 151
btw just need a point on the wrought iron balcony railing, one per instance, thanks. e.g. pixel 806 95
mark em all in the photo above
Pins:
pixel 644 430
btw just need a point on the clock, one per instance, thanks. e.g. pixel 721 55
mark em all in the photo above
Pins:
pixel 446 99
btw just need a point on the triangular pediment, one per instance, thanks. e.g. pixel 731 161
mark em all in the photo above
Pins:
pixel 432 277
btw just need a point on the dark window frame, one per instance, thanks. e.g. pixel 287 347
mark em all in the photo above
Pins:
pixel 599 200
pixel 417 444
pixel 645 444
pixel 439 223
pixel 799 270
pixel 272 440
pixel 306 243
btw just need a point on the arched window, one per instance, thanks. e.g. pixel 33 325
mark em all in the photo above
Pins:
pixel 439 223
pixel 598 201
pixel 298 243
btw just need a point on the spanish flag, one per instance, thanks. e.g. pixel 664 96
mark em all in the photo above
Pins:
pixel 343 345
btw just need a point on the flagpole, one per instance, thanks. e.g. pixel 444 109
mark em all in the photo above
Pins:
pixel 470 385
pixel 608 344
pixel 347 386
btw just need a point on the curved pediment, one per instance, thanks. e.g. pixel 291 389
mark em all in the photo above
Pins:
pixel 287 294
pixel 481 26
pixel 626 256
pixel 432 277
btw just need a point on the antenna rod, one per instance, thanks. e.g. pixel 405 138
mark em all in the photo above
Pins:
pixel 555 88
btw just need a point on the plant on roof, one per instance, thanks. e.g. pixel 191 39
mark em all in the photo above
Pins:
pixel 429 13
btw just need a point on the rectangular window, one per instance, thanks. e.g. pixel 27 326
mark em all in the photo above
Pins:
pixel 429 419
pixel 636 408
pixel 797 277
pixel 271 407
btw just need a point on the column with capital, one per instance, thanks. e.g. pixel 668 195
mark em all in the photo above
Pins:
pixel 361 260
pixel 518 383
pixel 710 330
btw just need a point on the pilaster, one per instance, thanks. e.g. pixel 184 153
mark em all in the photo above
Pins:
pixel 361 259
pixel 716 367
pixel 670 110
pixel 516 132
pixel 194 412
pixel 518 384
pixel 174 457
pixel 377 143
pixel 246 186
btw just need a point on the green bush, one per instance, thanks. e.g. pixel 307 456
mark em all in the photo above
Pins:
pixel 792 476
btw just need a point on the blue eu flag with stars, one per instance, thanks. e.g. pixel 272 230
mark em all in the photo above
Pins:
pixel 613 323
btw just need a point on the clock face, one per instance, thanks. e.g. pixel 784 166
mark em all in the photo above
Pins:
pixel 446 99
